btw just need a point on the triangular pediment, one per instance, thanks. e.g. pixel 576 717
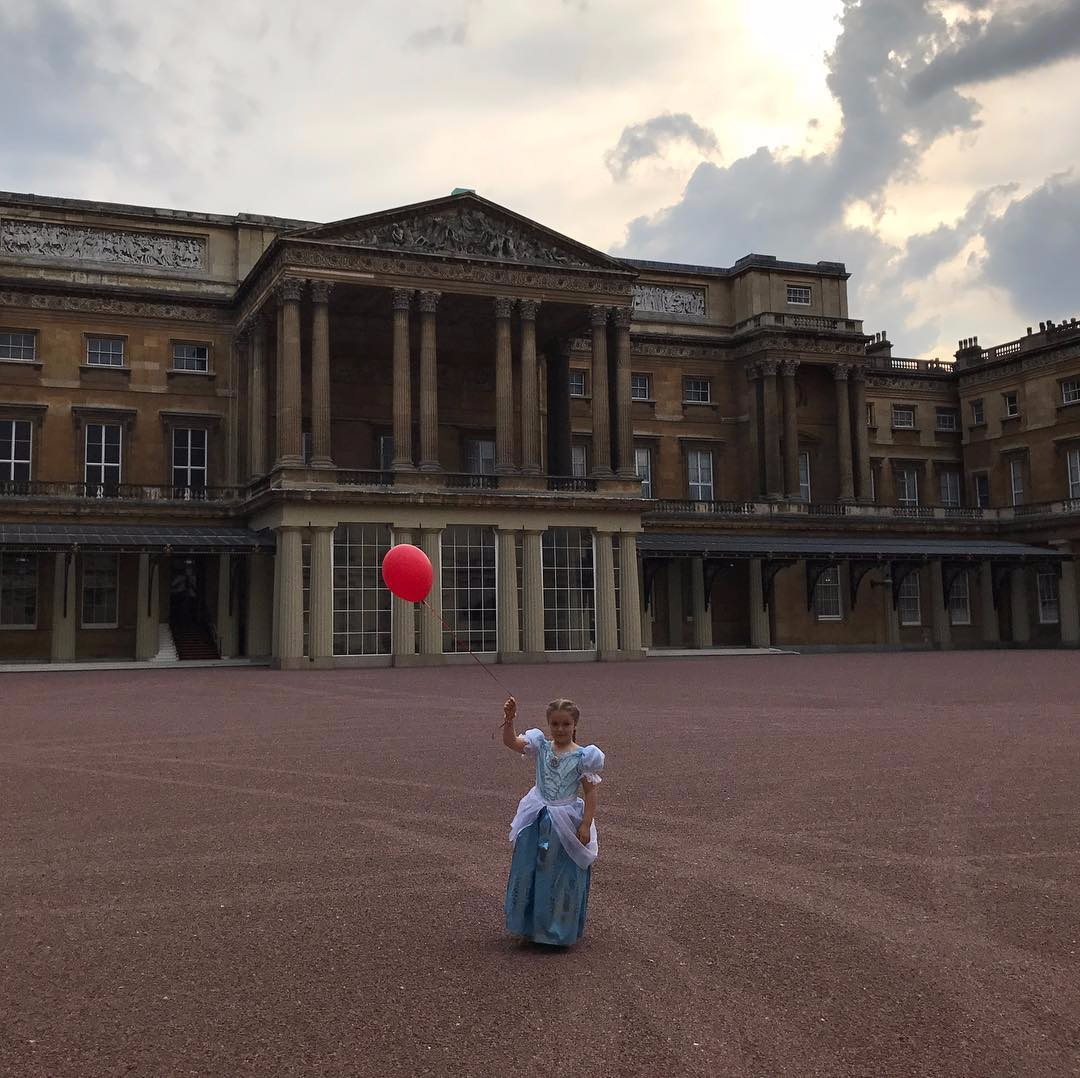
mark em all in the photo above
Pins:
pixel 462 226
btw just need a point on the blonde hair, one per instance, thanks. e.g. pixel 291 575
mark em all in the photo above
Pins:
pixel 568 706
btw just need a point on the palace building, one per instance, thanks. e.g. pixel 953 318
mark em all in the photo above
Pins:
pixel 213 427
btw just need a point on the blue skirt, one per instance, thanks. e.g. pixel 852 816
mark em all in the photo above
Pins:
pixel 547 894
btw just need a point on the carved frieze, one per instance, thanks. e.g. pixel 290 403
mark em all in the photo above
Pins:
pixel 681 300
pixel 109 305
pixel 77 243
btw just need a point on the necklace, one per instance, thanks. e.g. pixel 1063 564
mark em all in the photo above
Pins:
pixel 554 759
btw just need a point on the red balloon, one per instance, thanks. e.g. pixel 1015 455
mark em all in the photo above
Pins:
pixel 406 569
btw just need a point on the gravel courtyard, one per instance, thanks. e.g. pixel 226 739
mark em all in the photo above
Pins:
pixel 810 866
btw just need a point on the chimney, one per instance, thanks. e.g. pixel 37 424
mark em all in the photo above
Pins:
pixel 879 345
pixel 969 353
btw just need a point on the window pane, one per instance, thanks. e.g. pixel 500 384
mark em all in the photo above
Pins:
pixel 361 600
pixel 18 590
pixel 639 387
pixel 643 467
pixel 1073 465
pixel 99 589
pixel 960 601
pixel 827 595
pixel 105 351
pixel 19 346
pixel 1048 598
pixel 569 601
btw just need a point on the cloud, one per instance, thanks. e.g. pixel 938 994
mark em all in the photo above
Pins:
pixel 1009 43
pixel 433 37
pixel 1031 249
pixel 649 139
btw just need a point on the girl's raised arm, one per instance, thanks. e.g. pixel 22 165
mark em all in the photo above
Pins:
pixel 510 739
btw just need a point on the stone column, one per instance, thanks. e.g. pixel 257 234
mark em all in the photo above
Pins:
pixel 226 615
pixel 504 388
pixel 601 426
pixel 774 479
pixel 431 630
pixel 506 596
pixel 646 610
pixel 146 613
pixel 623 406
pixel 321 612
pixel 1068 605
pixel 257 399
pixel 988 614
pixel 289 450
pixel 260 604
pixel 289 600
pixel 940 628
pixel 403 616
pixel 843 431
pixel 403 461
pixel 321 455
pixel 607 628
pixel 65 607
pixel 702 617
pixel 429 384
pixel 630 612
pixel 760 636
pixel 862 437
pixel 753 380
pixel 1021 620
pixel 530 406
pixel 532 596
pixel 791 428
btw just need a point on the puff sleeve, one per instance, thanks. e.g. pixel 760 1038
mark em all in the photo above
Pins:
pixel 591 764
pixel 533 740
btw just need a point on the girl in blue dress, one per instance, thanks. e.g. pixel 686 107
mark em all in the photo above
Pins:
pixel 553 833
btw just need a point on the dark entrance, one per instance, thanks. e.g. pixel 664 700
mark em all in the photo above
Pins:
pixel 189 617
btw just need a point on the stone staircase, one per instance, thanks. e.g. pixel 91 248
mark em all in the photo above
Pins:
pixel 193 641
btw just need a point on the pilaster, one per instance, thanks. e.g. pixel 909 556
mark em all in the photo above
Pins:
pixel 624 416
pixel 939 608
pixel 1018 601
pixel 288 433
pixel 289 600
pixel 431 630
pixel 774 479
pixel 862 436
pixel 754 432
pixel 530 406
pixel 702 627
pixel 259 615
pixel 225 620
pixel 630 613
pixel 760 636
pixel 146 611
pixel 607 628
pixel 403 616
pixel 843 431
pixel 65 611
pixel 788 367
pixel 989 621
pixel 429 384
pixel 507 596
pixel 321 610
pixel 532 596
pixel 257 400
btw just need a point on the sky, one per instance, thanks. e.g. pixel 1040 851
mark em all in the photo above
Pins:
pixel 931 145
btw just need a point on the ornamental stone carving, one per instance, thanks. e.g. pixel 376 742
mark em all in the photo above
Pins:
pixel 769 367
pixel 464 231
pixel 48 239
pixel 504 306
pixel 402 298
pixel 289 290
pixel 667 299
pixel 429 301
pixel 624 316
pixel 788 367
pixel 598 314
pixel 110 305
pixel 841 371
pixel 753 371
pixel 528 308
pixel 320 290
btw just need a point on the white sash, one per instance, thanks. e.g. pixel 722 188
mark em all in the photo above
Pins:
pixel 565 818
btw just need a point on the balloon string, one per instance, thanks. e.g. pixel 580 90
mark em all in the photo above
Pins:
pixel 462 643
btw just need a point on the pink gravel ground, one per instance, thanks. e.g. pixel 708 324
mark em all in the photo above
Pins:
pixel 810 866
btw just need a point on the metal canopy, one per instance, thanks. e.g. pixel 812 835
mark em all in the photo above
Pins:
pixel 134 537
pixel 873 548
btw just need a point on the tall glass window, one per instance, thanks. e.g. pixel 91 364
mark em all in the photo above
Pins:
pixel 982 490
pixel 907 486
pixel 100 587
pixel 960 600
pixel 19 346
pixel 15 445
pixel 18 591
pixel 827 603
pixel 579 461
pixel 804 476
pixel 469 598
pixel 569 596
pixel 908 601
pixel 950 488
pixel 105 351
pixel 189 459
pixel 1016 480
pixel 480 456
pixel 1048 599
pixel 102 456
pixel 1073 466
pixel 643 467
pixel 361 599
pixel 699 474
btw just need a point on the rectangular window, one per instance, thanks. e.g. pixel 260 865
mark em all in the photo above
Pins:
pixel 1048 598
pixel 798 294
pixel 870 416
pixel 579 461
pixel 978 417
pixel 1072 459
pixel 908 603
pixel 191 357
pixel 105 351
pixel 643 467
pixel 307 443
pixel 386 462
pixel 827 596
pixel 960 600
pixel 577 383
pixel 1016 480
pixel 873 485
pixel 640 389
pixel 699 472
pixel 15 448
pixel 102 457
pixel 950 488
pixel 1012 405
pixel 804 476
pixel 361 599
pixel 480 456
pixel 982 490
pixel 1070 391
pixel 18 346
pixel 468 588
pixel 903 418
pixel 907 487
pixel 18 591
pixel 697 391
pixel 569 590
pixel 100 584
pixel 948 419
pixel 188 461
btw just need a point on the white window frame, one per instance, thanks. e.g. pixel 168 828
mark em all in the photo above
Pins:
pixel 190 436
pixel 87 559
pixel 799 295
pixel 959 600
pixel 384 449
pixel 578 374
pixel 947 420
pixel 1011 402
pixel 899 410
pixel 1016 480
pixel 643 469
pixel 698 463
pixel 1049 598
pixel 698 383
pixel 8 459
pixel 480 456
pixel 201 362
pixel 870 414
pixel 909 601
pixel 978 413
pixel 97 356
pixel 118 465
pixel 1070 391
pixel 828 596
pixel 804 476
pixel 950 486
pixel 5 559
pixel 10 346
pixel 1072 470
pixel 579 460
pixel 634 395
pixel 904 495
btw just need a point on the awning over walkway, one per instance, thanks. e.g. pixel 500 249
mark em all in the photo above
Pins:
pixel 880 548
pixel 134 538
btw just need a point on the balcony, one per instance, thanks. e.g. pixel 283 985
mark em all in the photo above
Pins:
pixel 912 366
pixel 799 321
pixel 126 492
